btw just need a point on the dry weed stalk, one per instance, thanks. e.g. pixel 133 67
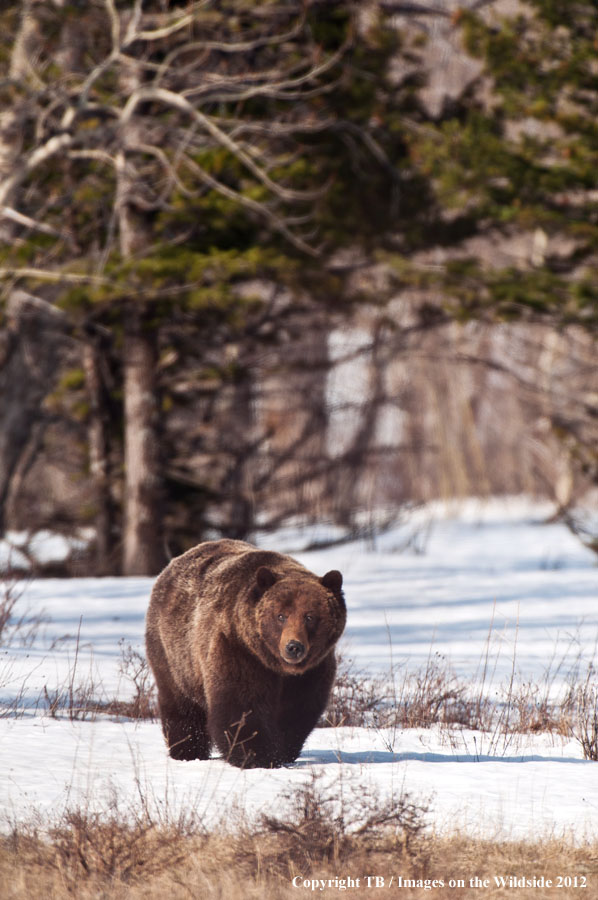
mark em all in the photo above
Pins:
pixel 17 627
pixel 84 698
pixel 78 698
pixel 355 699
pixel 586 727
pixel 134 669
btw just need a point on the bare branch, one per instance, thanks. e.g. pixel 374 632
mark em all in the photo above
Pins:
pixel 40 155
pixel 14 215
pixel 114 23
pixel 159 33
pixel 170 98
pixel 260 208
pixel 282 89
pixel 424 9
pixel 281 129
pixel 131 36
pixel 237 47
pixel 161 155
pixel 199 50
pixel 480 4
pixel 98 155
pixel 50 275
pixel 272 92
pixel 83 92
pixel 134 23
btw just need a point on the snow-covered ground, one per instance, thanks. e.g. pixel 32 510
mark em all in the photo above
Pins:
pixel 486 587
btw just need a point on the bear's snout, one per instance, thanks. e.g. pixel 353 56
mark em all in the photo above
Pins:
pixel 294 651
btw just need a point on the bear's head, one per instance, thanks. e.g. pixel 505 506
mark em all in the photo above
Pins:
pixel 299 619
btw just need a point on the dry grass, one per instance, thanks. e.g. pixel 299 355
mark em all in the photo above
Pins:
pixel 585 725
pixel 18 625
pixel 320 827
pixel 355 698
pixel 319 837
pixel 135 670
pixel 80 697
pixel 404 698
pixel 500 713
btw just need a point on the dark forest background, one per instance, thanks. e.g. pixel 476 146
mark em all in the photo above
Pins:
pixel 284 262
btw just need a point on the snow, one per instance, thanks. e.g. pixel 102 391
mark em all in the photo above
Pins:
pixel 19 548
pixel 490 588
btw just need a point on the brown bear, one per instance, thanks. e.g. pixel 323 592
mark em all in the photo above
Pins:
pixel 241 642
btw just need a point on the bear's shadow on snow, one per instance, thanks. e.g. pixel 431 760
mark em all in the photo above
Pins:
pixel 334 757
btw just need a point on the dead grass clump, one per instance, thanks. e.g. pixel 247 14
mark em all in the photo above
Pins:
pixel 533 712
pixel 77 697
pixel 403 699
pixel 323 826
pixel 493 717
pixel 88 844
pixel 586 719
pixel 429 696
pixel 82 698
pixel 134 669
pixel 355 699
pixel 331 823
pixel 89 855
pixel 76 701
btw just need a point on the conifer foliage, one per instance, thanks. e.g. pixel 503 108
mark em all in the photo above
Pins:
pixel 517 156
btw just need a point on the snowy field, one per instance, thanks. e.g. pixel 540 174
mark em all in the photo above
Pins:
pixel 488 588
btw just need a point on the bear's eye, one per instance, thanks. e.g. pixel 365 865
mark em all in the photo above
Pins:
pixel 309 619
pixel 282 617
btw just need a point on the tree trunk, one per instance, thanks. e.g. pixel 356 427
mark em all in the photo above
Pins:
pixel 239 488
pixel 26 377
pixel 99 459
pixel 351 487
pixel 143 544
pixel 144 552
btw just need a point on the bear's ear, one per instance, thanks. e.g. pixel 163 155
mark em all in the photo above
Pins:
pixel 265 578
pixel 333 581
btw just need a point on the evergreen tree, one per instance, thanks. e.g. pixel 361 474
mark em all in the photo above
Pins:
pixel 514 161
pixel 517 157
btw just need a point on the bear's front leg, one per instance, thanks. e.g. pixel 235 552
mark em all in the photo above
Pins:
pixel 242 698
pixel 304 699
pixel 243 735
pixel 184 720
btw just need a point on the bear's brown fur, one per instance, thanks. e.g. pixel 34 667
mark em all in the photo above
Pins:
pixel 241 642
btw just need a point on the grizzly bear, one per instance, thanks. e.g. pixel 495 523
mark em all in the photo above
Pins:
pixel 241 642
